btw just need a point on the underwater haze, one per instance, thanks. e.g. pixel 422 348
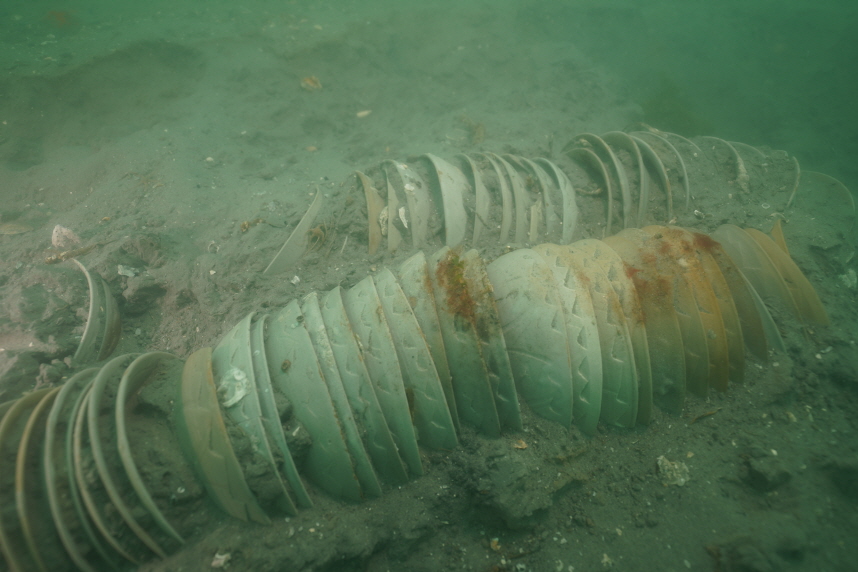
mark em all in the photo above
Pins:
pixel 181 142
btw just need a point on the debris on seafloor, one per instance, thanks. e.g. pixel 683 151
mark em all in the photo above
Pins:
pixel 311 83
pixel 10 228
pixel 127 271
pixel 63 237
pixel 67 254
pixel 673 473
pixel 296 245
pixel 221 560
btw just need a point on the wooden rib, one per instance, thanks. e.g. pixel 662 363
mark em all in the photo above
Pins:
pixel 624 141
pixel 588 155
pixel 756 265
pixel 490 334
pixel 753 330
pixel 840 186
pixel 415 281
pixel 296 244
pixel 742 177
pixel 834 202
pixel 751 148
pixel 686 184
pixel 623 180
pixel 795 183
pixel 369 325
pixel 703 246
pixel 507 206
pixel 202 429
pixel 655 162
pixel 676 251
pixel 614 269
pixel 39 533
pixel 78 419
pixel 483 200
pixel 417 198
pixel 778 236
pixel 394 237
pixel 451 190
pixel 546 186
pixel 773 334
pixel 520 198
pixel 234 351
pixel 311 308
pixel 471 382
pixel 104 387
pixel 528 302
pixel 536 214
pixel 138 373
pixel 688 142
pixel 664 336
pixel 13 543
pixel 619 375
pixel 374 206
pixel 810 306
pixel 582 336
pixel 359 389
pixel 567 191
pixel 427 402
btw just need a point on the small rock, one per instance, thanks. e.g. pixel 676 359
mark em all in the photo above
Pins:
pixel 792 547
pixel 850 279
pixel 185 297
pixel 141 293
pixel 514 491
pixel 50 373
pixel 844 475
pixel 766 474
pixel 743 554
